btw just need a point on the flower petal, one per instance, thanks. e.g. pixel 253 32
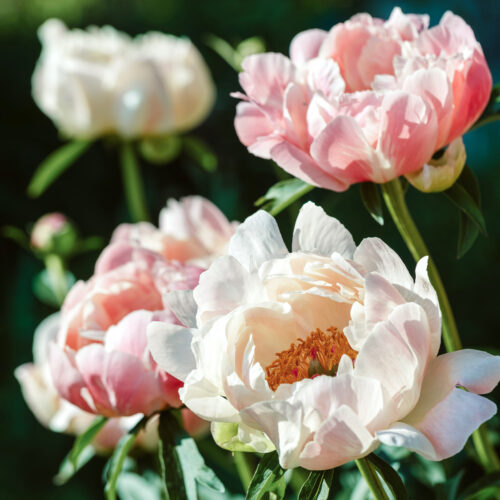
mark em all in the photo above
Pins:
pixel 306 45
pixel 316 232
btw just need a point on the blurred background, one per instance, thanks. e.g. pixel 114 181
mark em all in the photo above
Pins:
pixel 90 192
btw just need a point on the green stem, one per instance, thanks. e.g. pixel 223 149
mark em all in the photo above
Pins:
pixel 394 198
pixel 244 468
pixel 57 275
pixel 132 182
pixel 372 479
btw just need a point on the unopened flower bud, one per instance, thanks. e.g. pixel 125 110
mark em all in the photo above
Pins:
pixel 54 233
pixel 440 173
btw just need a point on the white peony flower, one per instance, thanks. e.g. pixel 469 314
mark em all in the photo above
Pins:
pixel 328 349
pixel 101 81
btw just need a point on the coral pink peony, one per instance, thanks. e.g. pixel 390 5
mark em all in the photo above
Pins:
pixel 368 101
pixel 190 230
pixel 101 362
pixel 323 352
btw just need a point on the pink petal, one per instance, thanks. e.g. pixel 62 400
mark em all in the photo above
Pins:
pixel 342 150
pixel 306 45
pixel 299 164
pixel 408 135
pixel 67 378
pixel 252 124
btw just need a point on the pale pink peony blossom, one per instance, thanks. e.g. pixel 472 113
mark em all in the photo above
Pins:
pixel 101 362
pixel 323 352
pixel 190 230
pixel 59 415
pixel 368 101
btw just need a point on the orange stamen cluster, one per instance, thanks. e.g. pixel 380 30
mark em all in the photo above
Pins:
pixel 318 354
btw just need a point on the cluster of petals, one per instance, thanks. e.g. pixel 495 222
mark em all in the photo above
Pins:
pixel 370 100
pixel 100 81
pixel 191 230
pixel 59 415
pixel 101 362
pixel 388 383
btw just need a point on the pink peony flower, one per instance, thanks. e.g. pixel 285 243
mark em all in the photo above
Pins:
pixel 368 101
pixel 101 362
pixel 191 230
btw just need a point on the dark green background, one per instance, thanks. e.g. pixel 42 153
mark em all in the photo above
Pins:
pixel 90 192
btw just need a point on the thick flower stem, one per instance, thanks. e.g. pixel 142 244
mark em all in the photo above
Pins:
pixel 371 478
pixel 57 275
pixel 394 198
pixel 244 468
pixel 132 182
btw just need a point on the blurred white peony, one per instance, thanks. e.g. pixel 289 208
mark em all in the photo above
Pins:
pixel 100 81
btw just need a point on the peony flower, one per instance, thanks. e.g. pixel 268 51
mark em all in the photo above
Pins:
pixel 368 101
pixel 58 414
pixel 100 81
pixel 325 351
pixel 101 362
pixel 191 230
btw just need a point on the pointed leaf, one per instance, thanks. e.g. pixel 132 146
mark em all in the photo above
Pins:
pixel 84 439
pixel 67 470
pixel 55 164
pixel 201 153
pixel 267 478
pixel 372 201
pixel 317 486
pixel 449 489
pixel 467 229
pixel 182 465
pixel 131 486
pixel 458 195
pixel 115 463
pixel 15 234
pixel 390 476
pixel 283 194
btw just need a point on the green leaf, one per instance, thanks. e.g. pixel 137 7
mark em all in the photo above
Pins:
pixel 201 153
pixel 84 439
pixel 161 150
pixel 317 486
pixel 55 164
pixel 467 229
pixel 459 196
pixel 268 478
pixel 15 234
pixel 225 50
pixel 390 476
pixel 115 463
pixel 67 470
pixel 483 488
pixel 283 194
pixel 44 290
pixel 372 201
pixel 181 463
pixel 131 486
pixel 90 243
pixel 449 489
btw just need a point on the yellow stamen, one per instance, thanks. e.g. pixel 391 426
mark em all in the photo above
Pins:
pixel 318 354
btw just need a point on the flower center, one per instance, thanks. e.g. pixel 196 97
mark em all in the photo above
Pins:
pixel 318 354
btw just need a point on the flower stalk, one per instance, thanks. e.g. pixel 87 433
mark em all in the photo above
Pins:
pixel 369 474
pixel 132 182
pixel 57 275
pixel 394 198
pixel 244 468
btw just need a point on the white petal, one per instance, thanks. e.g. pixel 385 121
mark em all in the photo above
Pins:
pixel 257 240
pixel 445 429
pixel 317 232
pixel 374 255
pixel 223 287
pixel 170 346
pixel 183 305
